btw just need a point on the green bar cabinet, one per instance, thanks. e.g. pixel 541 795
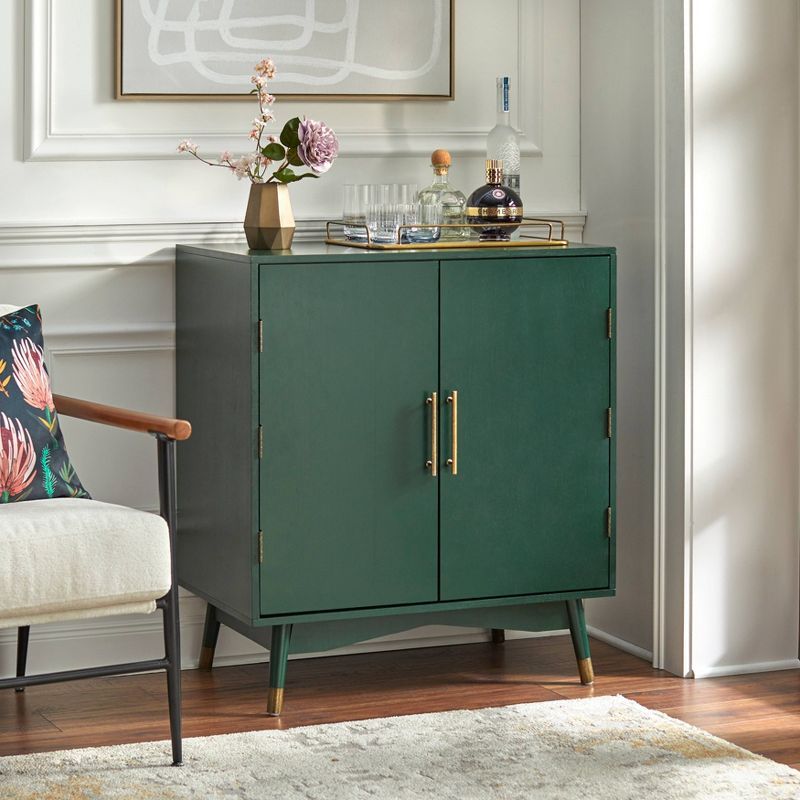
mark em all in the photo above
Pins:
pixel 390 439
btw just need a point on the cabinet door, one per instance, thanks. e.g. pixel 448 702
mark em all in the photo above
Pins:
pixel 524 342
pixel 347 509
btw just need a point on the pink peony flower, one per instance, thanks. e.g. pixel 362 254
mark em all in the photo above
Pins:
pixel 318 145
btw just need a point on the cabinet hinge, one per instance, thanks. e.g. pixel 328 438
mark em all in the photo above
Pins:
pixel 261 336
pixel 610 323
pixel 609 515
pixel 609 423
pixel 261 547
pixel 260 441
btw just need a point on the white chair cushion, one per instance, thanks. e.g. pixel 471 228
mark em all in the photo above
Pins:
pixel 66 555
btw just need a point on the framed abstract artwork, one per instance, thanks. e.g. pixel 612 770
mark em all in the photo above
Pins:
pixel 325 49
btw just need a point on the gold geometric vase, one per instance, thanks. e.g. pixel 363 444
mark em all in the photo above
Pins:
pixel 269 221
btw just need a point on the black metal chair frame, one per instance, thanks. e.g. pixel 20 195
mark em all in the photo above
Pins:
pixel 171 662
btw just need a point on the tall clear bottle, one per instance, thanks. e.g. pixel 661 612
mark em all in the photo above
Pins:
pixel 451 201
pixel 502 144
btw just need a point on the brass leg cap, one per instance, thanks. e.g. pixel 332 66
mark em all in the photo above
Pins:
pixel 274 702
pixel 586 671
pixel 206 658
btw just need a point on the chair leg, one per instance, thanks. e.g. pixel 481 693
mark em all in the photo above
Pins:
pixel 278 656
pixel 172 647
pixel 580 640
pixel 498 635
pixel 23 634
pixel 172 628
pixel 210 635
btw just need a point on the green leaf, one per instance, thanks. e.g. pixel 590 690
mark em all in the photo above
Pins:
pixel 294 159
pixel 273 151
pixel 287 175
pixel 289 135
pixel 48 479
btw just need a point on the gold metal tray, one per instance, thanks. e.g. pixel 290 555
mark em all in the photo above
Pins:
pixel 526 239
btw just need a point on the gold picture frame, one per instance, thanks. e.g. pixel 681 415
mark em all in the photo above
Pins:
pixel 121 94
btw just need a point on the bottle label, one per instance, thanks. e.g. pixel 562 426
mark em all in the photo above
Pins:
pixel 494 212
pixel 505 94
pixel 498 193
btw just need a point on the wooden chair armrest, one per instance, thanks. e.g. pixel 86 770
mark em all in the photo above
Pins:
pixel 178 429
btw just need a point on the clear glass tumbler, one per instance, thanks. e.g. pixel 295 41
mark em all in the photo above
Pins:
pixel 354 211
pixel 406 198
pixel 428 215
pixel 383 213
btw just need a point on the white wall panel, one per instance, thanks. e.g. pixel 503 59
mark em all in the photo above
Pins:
pixel 745 336
pixel 93 198
pixel 618 189
pixel 114 465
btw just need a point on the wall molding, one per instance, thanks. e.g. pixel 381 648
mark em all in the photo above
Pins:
pixel 659 262
pixel 620 644
pixel 150 244
pixel 43 141
pixel 746 669
pixel 127 338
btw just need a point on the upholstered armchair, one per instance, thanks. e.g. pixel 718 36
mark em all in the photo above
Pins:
pixel 67 558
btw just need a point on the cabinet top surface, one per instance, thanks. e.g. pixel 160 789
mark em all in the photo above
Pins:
pixel 318 251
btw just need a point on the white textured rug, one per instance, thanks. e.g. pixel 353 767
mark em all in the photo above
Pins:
pixel 604 747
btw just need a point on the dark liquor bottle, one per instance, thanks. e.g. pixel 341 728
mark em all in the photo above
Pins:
pixel 497 208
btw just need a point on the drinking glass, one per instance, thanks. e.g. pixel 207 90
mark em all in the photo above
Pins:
pixel 406 198
pixel 428 214
pixel 383 213
pixel 354 211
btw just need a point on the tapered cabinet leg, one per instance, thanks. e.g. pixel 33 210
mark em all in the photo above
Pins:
pixel 498 635
pixel 210 636
pixel 278 656
pixel 23 633
pixel 580 640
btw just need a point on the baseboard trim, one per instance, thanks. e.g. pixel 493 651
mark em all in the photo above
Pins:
pixel 387 644
pixel 83 643
pixel 620 644
pixel 746 669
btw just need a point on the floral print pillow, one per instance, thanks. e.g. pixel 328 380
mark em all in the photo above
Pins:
pixel 34 463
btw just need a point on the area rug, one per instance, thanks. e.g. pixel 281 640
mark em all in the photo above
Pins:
pixel 592 749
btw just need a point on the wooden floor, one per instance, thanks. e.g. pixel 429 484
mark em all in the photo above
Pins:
pixel 758 712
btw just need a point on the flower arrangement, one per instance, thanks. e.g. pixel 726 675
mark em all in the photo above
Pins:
pixel 302 143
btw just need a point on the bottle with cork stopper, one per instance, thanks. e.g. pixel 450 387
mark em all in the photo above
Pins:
pixel 450 200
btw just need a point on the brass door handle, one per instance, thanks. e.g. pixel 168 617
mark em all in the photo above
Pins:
pixel 431 463
pixel 452 462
